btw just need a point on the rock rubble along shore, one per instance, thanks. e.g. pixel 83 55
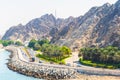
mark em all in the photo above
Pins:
pixel 38 70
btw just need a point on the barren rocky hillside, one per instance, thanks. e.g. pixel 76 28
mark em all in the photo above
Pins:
pixel 100 26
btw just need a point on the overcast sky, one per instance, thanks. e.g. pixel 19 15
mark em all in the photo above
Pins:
pixel 13 12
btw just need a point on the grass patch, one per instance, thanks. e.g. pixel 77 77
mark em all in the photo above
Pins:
pixel 100 65
pixel 46 58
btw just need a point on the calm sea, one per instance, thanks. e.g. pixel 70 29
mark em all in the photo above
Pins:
pixel 5 73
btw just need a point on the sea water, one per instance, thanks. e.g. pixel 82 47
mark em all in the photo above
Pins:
pixel 5 73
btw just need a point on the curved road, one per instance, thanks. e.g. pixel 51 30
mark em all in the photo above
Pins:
pixel 82 69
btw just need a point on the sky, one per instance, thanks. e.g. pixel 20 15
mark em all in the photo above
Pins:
pixel 14 12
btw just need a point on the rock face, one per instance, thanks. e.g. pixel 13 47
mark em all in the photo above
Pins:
pixel 36 28
pixel 100 26
pixel 45 26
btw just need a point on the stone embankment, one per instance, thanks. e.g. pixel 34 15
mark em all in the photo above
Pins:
pixel 38 70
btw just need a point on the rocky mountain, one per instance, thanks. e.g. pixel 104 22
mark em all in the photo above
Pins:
pixel 36 28
pixel 100 26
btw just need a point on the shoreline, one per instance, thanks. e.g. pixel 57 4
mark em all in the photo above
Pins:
pixel 38 71
pixel 51 72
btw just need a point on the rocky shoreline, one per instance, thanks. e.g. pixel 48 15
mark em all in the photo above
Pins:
pixel 38 71
pixel 50 72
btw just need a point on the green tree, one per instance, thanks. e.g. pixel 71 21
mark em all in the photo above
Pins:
pixel 66 50
pixel 10 42
pixel 18 43
pixel 37 46
pixel 5 43
pixel 44 41
pixel 32 43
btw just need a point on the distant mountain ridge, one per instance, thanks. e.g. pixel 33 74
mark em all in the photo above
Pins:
pixel 36 28
pixel 100 26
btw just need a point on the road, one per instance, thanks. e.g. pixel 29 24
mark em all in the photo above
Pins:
pixel 82 69
pixel 73 60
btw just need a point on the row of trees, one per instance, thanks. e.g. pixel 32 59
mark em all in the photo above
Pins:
pixel 107 55
pixel 10 42
pixel 50 50
pixel 36 45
